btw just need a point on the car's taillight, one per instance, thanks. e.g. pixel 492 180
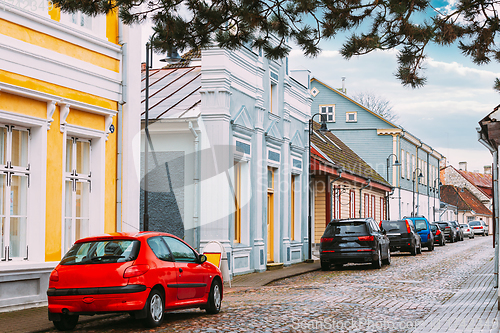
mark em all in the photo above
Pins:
pixel 135 270
pixel 447 228
pixel 481 227
pixel 366 238
pixel 408 230
pixel 54 276
pixel 326 239
pixel 438 232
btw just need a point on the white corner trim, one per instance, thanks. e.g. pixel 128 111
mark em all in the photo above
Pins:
pixel 51 107
pixel 64 114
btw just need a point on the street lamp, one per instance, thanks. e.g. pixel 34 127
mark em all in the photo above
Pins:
pixel 323 128
pixel 396 163
pixel 413 193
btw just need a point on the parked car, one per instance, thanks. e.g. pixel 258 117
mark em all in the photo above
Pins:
pixel 450 233
pixel 143 274
pixel 439 237
pixel 479 227
pixel 467 230
pixel 460 233
pixel 354 241
pixel 423 228
pixel 402 236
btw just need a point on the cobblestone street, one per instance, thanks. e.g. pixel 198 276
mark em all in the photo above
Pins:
pixel 357 298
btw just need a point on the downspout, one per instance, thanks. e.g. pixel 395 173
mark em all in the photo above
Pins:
pixel 428 188
pixel 332 194
pixel 119 138
pixel 368 181
pixel 196 180
pixel 403 133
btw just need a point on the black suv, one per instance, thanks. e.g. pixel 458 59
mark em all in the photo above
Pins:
pixel 354 240
pixel 450 233
pixel 402 236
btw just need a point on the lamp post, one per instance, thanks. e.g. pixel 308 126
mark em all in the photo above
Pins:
pixel 413 193
pixel 323 128
pixel 437 187
pixel 396 163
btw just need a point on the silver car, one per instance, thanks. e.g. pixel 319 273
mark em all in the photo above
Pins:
pixel 467 230
pixel 479 227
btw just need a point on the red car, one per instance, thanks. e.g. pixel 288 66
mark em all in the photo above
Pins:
pixel 144 274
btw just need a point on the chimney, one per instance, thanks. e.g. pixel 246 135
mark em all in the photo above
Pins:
pixel 143 66
pixel 462 166
pixel 487 169
pixel 343 85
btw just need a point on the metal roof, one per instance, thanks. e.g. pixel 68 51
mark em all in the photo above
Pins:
pixel 173 92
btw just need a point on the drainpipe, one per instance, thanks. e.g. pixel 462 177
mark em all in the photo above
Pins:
pixel 332 194
pixel 403 133
pixel 368 181
pixel 119 138
pixel 196 180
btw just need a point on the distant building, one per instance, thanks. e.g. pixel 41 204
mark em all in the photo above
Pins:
pixel 230 155
pixel 69 112
pixel 468 206
pixel 380 142
pixel 343 185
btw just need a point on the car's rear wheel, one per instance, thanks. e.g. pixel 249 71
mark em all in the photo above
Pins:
pixel 214 298
pixel 67 322
pixel 378 262
pixel 414 250
pixel 325 266
pixel 154 309
pixel 387 261
pixel 431 247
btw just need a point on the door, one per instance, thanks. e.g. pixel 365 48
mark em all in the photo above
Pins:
pixel 192 277
pixel 270 214
pixel 166 271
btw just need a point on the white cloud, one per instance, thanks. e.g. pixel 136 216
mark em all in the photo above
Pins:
pixel 476 159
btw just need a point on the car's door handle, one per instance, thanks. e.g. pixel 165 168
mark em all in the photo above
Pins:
pixel 180 270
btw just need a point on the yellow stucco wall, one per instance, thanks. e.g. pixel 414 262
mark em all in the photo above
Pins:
pixel 23 105
pixel 43 40
pixel 85 119
pixel 112 27
pixel 110 187
pixel 53 211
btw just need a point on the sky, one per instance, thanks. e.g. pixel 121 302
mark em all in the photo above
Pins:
pixel 444 113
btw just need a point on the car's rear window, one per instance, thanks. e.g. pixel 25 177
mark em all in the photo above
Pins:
pixel 393 226
pixel 420 225
pixel 443 225
pixel 464 225
pixel 434 227
pixel 474 223
pixel 346 228
pixel 100 252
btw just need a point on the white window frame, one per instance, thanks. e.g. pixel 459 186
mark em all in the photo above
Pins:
pixel 330 115
pixel 9 170
pixel 97 28
pixel 347 114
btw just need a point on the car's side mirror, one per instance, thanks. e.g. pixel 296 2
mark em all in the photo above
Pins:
pixel 202 258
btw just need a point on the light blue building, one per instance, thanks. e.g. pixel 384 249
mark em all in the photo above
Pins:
pixel 229 132
pixel 380 142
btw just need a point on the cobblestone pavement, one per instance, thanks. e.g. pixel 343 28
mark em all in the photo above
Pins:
pixel 356 298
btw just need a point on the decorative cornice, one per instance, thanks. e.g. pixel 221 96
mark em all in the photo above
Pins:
pixel 64 111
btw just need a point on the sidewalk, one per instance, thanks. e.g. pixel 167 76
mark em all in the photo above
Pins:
pixel 36 320
pixel 472 309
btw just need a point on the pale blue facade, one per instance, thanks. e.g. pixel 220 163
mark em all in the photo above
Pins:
pixel 374 139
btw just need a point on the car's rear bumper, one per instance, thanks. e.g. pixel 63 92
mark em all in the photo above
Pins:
pixel 480 231
pixel 348 257
pixel 96 303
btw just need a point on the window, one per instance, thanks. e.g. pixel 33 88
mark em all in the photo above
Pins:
pixel 292 208
pixel 352 204
pixel 367 205
pixel 273 107
pixel 328 111
pixel 180 251
pixel 413 164
pixel 470 218
pixel 14 184
pixel 372 206
pixel 408 165
pixel 336 202
pixel 82 20
pixel 77 190
pixel 237 202
pixel 160 249
pixel 351 117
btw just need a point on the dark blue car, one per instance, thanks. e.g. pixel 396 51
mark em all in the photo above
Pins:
pixel 423 228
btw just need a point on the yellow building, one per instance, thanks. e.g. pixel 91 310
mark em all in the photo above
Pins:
pixel 69 115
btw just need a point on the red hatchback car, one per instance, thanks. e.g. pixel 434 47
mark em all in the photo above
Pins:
pixel 144 274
